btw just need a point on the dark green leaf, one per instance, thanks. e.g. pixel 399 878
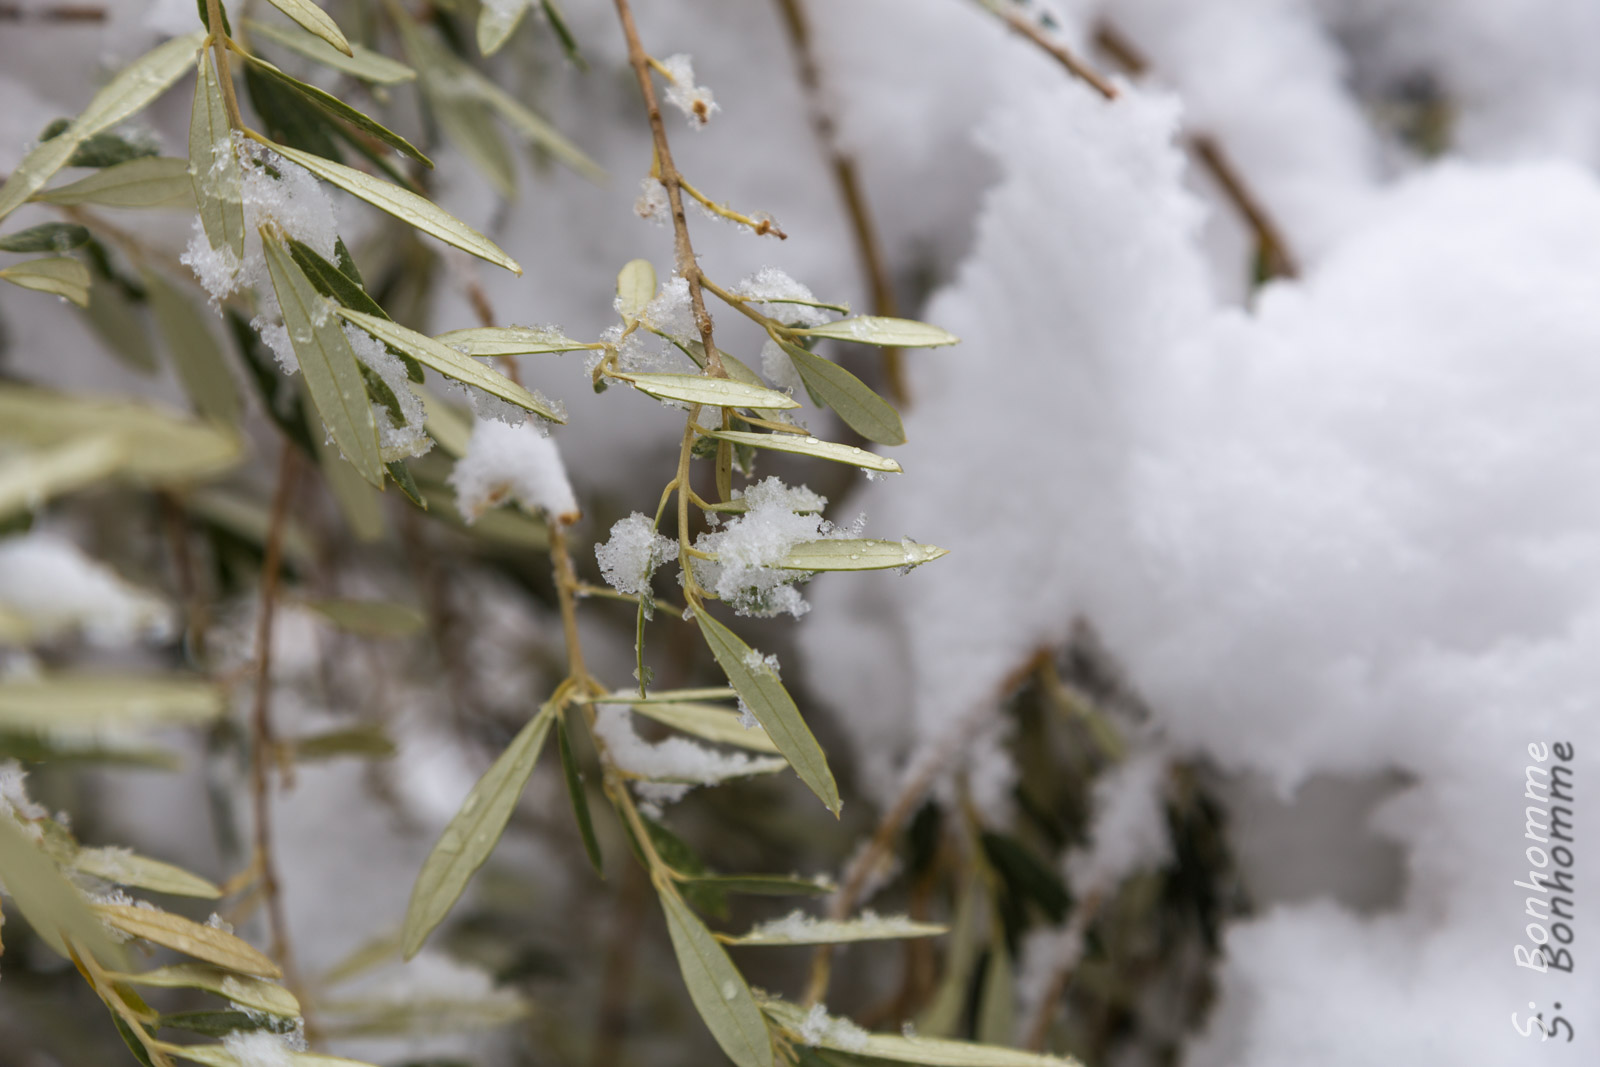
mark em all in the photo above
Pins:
pixel 107 150
pixel 45 237
pixel 580 801
pixel 1026 877
pixel 407 484
pixel 287 118
pixel 331 281
pixel 339 109
pixel 223 1023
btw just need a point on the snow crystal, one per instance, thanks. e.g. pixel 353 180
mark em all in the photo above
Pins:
pixel 258 1048
pixel 749 547
pixel 779 369
pixel 769 288
pixel 408 438
pixel 653 203
pixel 14 792
pixel 632 554
pixel 55 588
pixel 677 760
pixel 669 311
pixel 755 661
pixel 512 461
pixel 682 93
pixel 819 1027
pixel 1129 829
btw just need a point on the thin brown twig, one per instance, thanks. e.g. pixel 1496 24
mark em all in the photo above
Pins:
pixel 263 743
pixel 1280 262
pixel 868 861
pixel 869 251
pixel 1019 22
pixel 687 266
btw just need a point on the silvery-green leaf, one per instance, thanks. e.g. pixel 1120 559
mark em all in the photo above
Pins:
pixel 949 1006
pixel 763 885
pixel 497 22
pixel 158 447
pixel 361 63
pixel 798 928
pixel 809 446
pixel 718 392
pixel 636 287
pixel 666 696
pixel 357 498
pixel 50 904
pixel 404 205
pixel 878 330
pixel 452 364
pixel 121 867
pixel 135 86
pixel 367 741
pixel 59 275
pixel 463 116
pixel 198 357
pixel 316 20
pixel 864 411
pixel 339 109
pixel 472 834
pixel 997 1011
pixel 119 322
pixel 863 554
pixel 447 424
pixel 214 163
pixel 578 797
pixel 155 181
pixel 91 701
pixel 252 993
pixel 508 341
pixel 31 478
pixel 710 722
pixel 758 686
pixel 371 618
pixel 332 375
pixel 45 237
pixel 422 1013
pixel 922 1051
pixel 717 988
pixel 209 944
pixel 522 119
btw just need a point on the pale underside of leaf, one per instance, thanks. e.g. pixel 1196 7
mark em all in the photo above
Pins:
pixel 878 330
pixel 507 341
pixel 79 702
pixel 328 363
pixel 38 475
pixel 58 275
pixel 536 130
pixel 371 618
pixel 710 722
pixel 864 411
pixel 772 707
pixel 452 364
pixel 362 63
pixel 195 351
pixel 810 446
pixel 718 392
pixel 253 993
pixel 667 696
pixel 718 990
pixel 403 204
pixel 138 83
pixel 214 163
pixel 158 447
pixel 56 910
pixel 858 554
pixel 141 872
pixel 150 182
pixel 496 24
pixel 314 20
pixel 636 287
pixel 209 944
pixel 466 843
pixel 922 1051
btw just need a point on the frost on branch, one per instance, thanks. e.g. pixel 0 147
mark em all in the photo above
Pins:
pixel 517 462
pixel 632 554
pixel 672 767
pixel 682 93
pixel 750 547
pixel 772 293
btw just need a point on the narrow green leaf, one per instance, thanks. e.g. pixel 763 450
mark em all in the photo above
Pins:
pixel 46 237
pixel 214 163
pixel 452 364
pixel 463 115
pixel 636 287
pixel 121 867
pixel 367 741
pixel 509 341
pixel 35 476
pixel 90 701
pixel 138 83
pixel 290 119
pixel 406 482
pixel 108 150
pixel 159 447
pixel 558 23
pixel 209 944
pixel 878 330
pixel 59 276
pixel 709 722
pixel 765 696
pixel 762 885
pixel 361 63
pixel 154 182
pixel 316 20
pixel 51 905
pixel 497 22
pixel 371 618
pixel 198 357
pixel 223 1023
pixel 997 1010
pixel 580 799
pixel 356 497
pixel 949 1005
pixel 252 993
pixel 864 411
pixel 719 392
pixel 472 834
pixel 327 361
pixel 339 109
pixel 853 554
pixel 334 281
pixel 809 446
pixel 717 988
pixel 797 928
pixel 922 1051
pixel 535 130
pixel 666 696
pixel 119 321
pixel 406 206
